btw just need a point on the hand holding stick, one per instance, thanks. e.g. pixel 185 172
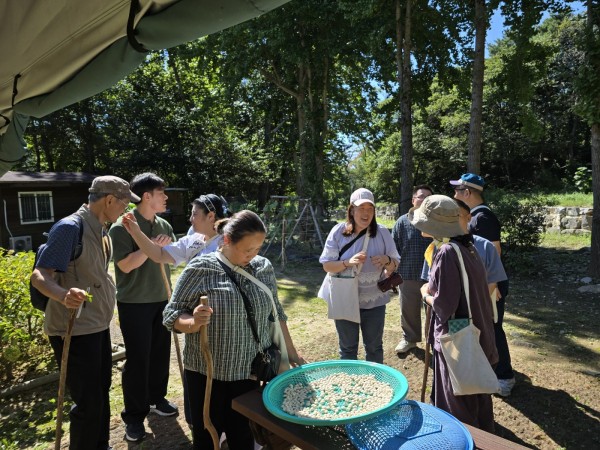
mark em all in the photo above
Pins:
pixel 209 376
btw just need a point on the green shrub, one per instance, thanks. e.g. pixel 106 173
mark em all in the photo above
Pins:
pixel 21 325
pixel 583 179
pixel 522 221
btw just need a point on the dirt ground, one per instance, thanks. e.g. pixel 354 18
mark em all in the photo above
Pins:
pixel 552 331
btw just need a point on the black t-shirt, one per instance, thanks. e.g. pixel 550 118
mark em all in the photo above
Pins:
pixel 484 223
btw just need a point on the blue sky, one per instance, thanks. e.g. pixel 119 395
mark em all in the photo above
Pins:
pixel 497 27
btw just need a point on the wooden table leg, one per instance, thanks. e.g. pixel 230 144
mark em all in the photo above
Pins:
pixel 267 439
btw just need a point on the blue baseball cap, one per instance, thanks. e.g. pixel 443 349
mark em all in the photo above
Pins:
pixel 469 180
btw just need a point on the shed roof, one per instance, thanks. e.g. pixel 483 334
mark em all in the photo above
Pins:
pixel 22 178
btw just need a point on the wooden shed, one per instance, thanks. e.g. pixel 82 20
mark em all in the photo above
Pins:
pixel 32 202
pixel 178 209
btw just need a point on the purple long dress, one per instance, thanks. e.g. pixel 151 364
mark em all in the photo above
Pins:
pixel 445 284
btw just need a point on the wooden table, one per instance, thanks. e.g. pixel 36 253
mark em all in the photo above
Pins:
pixel 277 434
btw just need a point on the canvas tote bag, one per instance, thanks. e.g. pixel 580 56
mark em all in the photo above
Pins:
pixel 469 369
pixel 342 301
pixel 275 331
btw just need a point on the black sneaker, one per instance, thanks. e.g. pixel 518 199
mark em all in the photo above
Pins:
pixel 164 408
pixel 135 432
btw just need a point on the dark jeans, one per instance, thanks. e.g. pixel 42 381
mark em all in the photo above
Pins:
pixel 371 324
pixel 148 352
pixel 88 380
pixel 186 401
pixel 504 369
pixel 233 424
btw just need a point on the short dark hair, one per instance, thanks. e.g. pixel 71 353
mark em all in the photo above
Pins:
pixel 463 205
pixel 240 225
pixel 424 187
pixel 146 182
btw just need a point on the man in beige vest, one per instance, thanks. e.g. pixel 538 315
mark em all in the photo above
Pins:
pixel 67 283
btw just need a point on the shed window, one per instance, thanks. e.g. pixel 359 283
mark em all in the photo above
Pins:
pixel 36 207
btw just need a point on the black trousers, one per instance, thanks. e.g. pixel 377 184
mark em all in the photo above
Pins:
pixel 148 351
pixel 504 370
pixel 224 419
pixel 88 380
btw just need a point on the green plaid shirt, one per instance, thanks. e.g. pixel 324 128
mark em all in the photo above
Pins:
pixel 229 334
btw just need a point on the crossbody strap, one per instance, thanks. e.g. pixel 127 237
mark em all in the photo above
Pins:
pixel 223 260
pixel 479 207
pixel 465 277
pixel 246 300
pixel 349 244
pixel 364 249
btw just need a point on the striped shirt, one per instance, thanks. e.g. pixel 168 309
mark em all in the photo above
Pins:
pixel 229 334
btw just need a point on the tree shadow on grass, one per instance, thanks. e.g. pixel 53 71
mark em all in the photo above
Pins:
pixel 26 416
pixel 568 422
pixel 161 432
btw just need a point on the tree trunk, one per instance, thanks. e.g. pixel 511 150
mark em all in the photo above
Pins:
pixel 46 148
pixel 321 139
pixel 35 137
pixel 183 99
pixel 300 154
pixel 474 157
pixel 403 50
pixel 593 21
pixel 594 269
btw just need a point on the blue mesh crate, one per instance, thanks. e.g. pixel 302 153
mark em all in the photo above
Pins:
pixel 410 425
pixel 273 393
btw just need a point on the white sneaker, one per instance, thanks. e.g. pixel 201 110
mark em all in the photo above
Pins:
pixel 164 408
pixel 404 346
pixel 506 386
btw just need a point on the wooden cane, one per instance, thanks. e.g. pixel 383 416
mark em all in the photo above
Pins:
pixel 209 376
pixel 427 354
pixel 175 337
pixel 63 378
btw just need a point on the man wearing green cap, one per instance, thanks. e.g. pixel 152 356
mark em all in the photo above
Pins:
pixel 67 283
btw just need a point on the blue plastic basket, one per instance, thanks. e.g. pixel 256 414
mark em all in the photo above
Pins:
pixel 410 425
pixel 273 393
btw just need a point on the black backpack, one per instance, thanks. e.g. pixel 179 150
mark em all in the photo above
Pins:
pixel 39 300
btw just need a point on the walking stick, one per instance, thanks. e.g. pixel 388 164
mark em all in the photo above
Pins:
pixel 63 378
pixel 427 354
pixel 175 337
pixel 209 376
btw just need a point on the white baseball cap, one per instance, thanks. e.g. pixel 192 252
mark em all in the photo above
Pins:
pixel 361 196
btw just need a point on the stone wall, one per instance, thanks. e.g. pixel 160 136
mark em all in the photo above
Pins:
pixel 558 219
pixel 568 220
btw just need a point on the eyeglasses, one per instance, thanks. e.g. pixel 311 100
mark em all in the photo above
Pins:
pixel 123 202
pixel 209 205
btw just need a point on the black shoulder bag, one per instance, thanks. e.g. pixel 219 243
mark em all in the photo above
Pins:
pixel 265 365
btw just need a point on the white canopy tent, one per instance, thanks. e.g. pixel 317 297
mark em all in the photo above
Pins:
pixel 55 53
